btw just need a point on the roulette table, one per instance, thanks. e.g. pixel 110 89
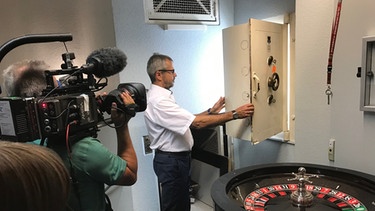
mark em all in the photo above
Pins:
pixel 294 187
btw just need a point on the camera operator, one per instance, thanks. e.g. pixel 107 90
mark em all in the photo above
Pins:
pixel 90 163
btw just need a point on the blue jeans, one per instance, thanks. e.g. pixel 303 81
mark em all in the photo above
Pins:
pixel 173 172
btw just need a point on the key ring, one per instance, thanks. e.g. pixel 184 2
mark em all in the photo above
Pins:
pixel 329 91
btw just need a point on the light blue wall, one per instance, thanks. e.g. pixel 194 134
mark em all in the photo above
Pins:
pixel 198 62
pixel 316 121
pixel 264 9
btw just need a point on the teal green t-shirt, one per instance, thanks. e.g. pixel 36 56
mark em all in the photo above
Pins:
pixel 93 166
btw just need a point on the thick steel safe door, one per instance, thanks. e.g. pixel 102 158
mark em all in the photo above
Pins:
pixel 254 55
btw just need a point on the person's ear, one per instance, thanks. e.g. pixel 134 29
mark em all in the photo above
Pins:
pixel 158 74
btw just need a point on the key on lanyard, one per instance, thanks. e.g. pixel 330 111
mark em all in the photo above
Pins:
pixel 329 94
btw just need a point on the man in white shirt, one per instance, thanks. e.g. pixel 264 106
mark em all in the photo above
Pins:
pixel 169 125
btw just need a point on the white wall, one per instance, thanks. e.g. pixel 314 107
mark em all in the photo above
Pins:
pixel 316 121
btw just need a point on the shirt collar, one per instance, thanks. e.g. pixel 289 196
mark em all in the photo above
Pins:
pixel 160 89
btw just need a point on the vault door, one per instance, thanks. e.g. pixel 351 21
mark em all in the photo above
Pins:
pixel 253 69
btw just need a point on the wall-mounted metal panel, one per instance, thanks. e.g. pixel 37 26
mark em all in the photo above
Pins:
pixel 367 75
pixel 181 12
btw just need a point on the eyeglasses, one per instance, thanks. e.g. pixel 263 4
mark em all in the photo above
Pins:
pixel 171 71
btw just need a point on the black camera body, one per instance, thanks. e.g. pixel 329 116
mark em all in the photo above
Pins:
pixel 28 119
pixel 70 109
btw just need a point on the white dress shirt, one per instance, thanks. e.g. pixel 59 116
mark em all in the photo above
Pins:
pixel 167 123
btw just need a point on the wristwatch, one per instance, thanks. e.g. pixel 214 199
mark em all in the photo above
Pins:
pixel 235 115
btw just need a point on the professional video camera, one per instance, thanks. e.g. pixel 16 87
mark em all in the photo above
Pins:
pixel 71 108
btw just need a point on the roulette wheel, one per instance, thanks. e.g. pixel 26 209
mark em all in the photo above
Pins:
pixel 294 186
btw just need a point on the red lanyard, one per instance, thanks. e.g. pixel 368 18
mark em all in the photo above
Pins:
pixel 335 26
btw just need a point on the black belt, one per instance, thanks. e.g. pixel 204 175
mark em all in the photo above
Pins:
pixel 183 153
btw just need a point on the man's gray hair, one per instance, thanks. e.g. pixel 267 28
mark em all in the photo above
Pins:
pixel 156 62
pixel 25 78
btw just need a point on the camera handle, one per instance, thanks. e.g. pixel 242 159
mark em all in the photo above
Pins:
pixel 32 38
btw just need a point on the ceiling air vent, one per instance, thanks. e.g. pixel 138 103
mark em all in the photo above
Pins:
pixel 181 12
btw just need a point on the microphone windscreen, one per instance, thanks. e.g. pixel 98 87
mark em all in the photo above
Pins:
pixel 107 61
